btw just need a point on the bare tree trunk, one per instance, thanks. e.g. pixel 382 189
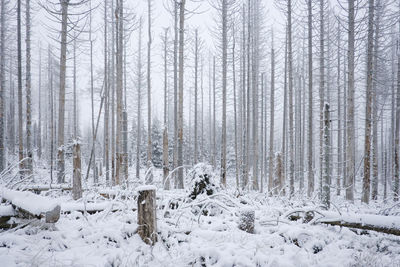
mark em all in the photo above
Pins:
pixel 2 84
pixel 291 129
pixel 95 178
pixel 176 39
pixel 214 150
pixel 224 79
pixel 149 145
pixel 271 183
pixel 20 125
pixel 119 61
pixel 284 121
pixel 61 106
pixel 196 63
pixel 339 118
pixel 107 99
pixel 180 106
pixel 39 139
pixel 235 109
pixel 397 135
pixel 321 92
pixel 139 108
pixel 166 183
pixel 350 145
pixel 113 94
pixel 368 106
pixel 375 120
pixel 28 162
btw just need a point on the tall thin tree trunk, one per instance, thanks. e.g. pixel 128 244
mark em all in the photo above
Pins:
pixel 61 106
pixel 39 139
pixel 29 153
pixel 166 183
pixel 224 80
pixel 149 145
pixel 139 108
pixel 339 118
pixel 375 120
pixel 271 183
pixel 235 109
pixel 196 63
pixel 368 106
pixel 397 132
pixel 107 97
pixel 2 85
pixel 350 145
pixel 180 109
pixel 176 39
pixel 321 92
pixel 20 125
pixel 95 179
pixel 291 129
pixel 310 171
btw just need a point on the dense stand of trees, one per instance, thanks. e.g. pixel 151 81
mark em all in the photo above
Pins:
pixel 247 101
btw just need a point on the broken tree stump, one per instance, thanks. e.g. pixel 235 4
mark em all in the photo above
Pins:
pixel 147 220
pixel 77 177
pixel 246 220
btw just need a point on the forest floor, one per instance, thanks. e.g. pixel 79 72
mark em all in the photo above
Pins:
pixel 200 232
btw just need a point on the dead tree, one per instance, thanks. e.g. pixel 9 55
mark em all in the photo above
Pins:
pixel 368 106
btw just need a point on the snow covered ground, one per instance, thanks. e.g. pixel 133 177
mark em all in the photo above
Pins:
pixel 200 232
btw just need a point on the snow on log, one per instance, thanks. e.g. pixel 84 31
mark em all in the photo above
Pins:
pixel 91 208
pixel 377 223
pixel 31 205
pixel 46 187
pixel 147 214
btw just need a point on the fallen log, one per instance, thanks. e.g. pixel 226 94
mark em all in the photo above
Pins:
pixel 45 187
pixel 91 208
pixel 370 222
pixel 30 205
pixel 377 223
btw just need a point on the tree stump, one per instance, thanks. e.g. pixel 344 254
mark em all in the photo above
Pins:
pixel 76 180
pixel 147 220
pixel 246 220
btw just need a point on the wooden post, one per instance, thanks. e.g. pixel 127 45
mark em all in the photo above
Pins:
pixel 76 183
pixel 147 214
